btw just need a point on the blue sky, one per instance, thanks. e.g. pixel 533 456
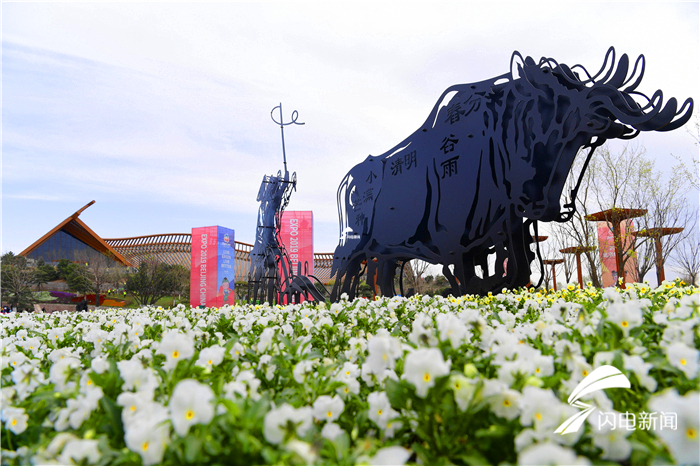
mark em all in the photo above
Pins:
pixel 161 111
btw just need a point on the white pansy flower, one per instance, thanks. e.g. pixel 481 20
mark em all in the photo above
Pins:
pixel 304 450
pixel 237 351
pixel 286 420
pixel 134 404
pixel 77 450
pixel 15 419
pixel 175 347
pixel 683 357
pixel 32 344
pixel 190 404
pixel 422 367
pixel 684 441
pixel 603 358
pixel 265 340
pixel 303 369
pixel 26 379
pixel 452 329
pixel 136 377
pixel 463 389
pixel 504 401
pixel 210 357
pixel 150 434
pixel 550 454
pixel 394 456
pixel 383 352
pixel 99 365
pixel 625 315
pixel 536 406
pixel 331 431
pixel 641 370
pixel 613 442
pixel 328 408
pixel 380 410
pixel 61 371
pixel 246 385
pixel 78 409
pixel 16 359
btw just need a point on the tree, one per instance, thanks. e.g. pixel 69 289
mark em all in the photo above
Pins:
pixel 687 258
pixel 414 272
pixel 668 207
pixel 44 273
pixel 98 270
pixel 153 281
pixel 65 268
pixel 630 180
pixel 16 281
pixel 622 181
pixel 78 279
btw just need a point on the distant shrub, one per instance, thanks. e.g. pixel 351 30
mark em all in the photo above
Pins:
pixel 44 297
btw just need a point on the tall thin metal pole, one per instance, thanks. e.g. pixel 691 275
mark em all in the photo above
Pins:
pixel 284 153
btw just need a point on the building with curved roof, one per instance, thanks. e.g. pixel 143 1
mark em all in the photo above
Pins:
pixel 72 239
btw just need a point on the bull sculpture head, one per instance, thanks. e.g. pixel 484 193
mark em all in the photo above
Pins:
pixel 573 110
pixel 490 160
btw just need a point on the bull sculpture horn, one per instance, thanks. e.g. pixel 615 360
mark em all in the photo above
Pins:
pixel 641 65
pixel 516 66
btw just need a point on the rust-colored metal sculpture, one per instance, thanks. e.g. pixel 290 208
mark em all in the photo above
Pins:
pixel 490 161
pixel 578 250
pixel 615 217
pixel 553 263
pixel 656 234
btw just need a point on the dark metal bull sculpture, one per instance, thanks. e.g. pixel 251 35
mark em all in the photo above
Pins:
pixel 490 161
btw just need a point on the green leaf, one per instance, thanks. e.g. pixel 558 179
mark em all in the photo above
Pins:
pixel 193 446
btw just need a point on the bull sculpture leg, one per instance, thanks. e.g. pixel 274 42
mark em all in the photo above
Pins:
pixel 515 248
pixel 451 279
pixel 349 278
pixel 386 270
pixel 372 266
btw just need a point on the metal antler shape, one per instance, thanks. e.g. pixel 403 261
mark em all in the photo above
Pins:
pixel 282 124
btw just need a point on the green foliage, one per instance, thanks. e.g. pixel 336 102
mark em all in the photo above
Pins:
pixel 154 280
pixel 365 290
pixel 45 273
pixel 16 281
pixel 65 268
pixel 79 279
pixel 44 297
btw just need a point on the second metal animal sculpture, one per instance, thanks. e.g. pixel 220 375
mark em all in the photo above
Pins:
pixel 271 277
pixel 488 163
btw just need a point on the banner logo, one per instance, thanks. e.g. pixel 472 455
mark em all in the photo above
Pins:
pixel 600 379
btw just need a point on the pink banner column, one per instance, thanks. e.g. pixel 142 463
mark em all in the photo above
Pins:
pixel 212 272
pixel 297 236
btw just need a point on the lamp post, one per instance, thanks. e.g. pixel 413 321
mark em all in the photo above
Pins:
pixel 578 250
pixel 656 234
pixel 615 216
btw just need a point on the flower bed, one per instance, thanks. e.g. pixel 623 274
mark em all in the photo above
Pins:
pixel 425 380
pixel 63 297
pixel 90 299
